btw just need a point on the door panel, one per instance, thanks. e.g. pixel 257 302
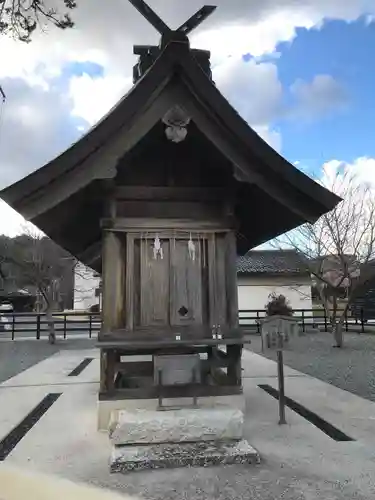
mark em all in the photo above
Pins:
pixel 218 281
pixel 186 284
pixel 154 293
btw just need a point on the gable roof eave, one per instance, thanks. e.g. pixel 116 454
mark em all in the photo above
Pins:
pixel 126 109
pixel 243 162
pixel 224 112
pixel 220 111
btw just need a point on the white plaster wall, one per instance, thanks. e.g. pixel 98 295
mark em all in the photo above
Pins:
pixel 253 293
pixel 85 284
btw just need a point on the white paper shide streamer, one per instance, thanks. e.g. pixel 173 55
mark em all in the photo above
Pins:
pixel 191 249
pixel 158 249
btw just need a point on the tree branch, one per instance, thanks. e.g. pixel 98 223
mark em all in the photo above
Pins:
pixel 339 247
pixel 20 18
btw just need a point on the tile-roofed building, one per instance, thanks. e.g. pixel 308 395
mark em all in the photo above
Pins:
pixel 272 262
pixel 262 272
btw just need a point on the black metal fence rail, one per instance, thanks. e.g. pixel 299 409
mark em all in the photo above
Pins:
pixel 251 319
pixel 77 324
pixel 36 325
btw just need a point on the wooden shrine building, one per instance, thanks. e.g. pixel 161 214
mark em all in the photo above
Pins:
pixel 160 197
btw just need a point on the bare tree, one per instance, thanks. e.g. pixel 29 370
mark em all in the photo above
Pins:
pixel 42 264
pixel 20 18
pixel 86 282
pixel 339 247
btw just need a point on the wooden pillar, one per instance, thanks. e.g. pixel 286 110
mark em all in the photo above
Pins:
pixel 234 352
pixel 232 286
pixel 111 361
pixel 211 257
pixel 103 370
pixel 234 369
pixel 113 282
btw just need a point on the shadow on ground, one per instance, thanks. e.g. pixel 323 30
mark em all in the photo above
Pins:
pixel 16 357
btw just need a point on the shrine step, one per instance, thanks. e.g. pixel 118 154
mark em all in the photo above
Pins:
pixel 175 426
pixel 164 456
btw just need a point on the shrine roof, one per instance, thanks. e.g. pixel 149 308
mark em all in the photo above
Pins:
pixel 271 262
pixel 174 78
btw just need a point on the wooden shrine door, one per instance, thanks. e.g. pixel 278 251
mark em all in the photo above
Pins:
pixel 188 284
pixel 173 284
pixel 153 293
pixel 180 287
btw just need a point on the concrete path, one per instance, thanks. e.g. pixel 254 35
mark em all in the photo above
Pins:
pixel 301 445
pixel 299 461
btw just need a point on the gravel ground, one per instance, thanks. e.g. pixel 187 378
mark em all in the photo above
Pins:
pixel 16 357
pixel 351 368
pixel 268 481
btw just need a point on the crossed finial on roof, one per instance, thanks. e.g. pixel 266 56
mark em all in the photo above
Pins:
pixel 165 30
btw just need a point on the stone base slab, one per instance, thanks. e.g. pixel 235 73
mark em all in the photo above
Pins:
pixel 142 427
pixel 106 408
pixel 163 456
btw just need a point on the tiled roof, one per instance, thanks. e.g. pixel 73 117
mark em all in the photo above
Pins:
pixel 271 262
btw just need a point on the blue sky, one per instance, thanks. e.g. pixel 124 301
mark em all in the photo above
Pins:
pixel 346 52
pixel 80 68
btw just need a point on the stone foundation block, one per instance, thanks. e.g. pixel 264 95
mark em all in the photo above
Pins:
pixel 176 426
pixel 107 408
pixel 163 456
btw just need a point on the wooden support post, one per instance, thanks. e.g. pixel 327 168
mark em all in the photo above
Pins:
pixel 113 282
pixel 211 254
pixel 103 370
pixel 210 356
pixel 110 375
pixel 195 399
pixel 231 272
pixel 160 385
pixel 234 366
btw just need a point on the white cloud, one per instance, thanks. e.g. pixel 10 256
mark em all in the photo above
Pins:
pixel 36 126
pixel 13 224
pixel 271 136
pixel 255 92
pixel 246 36
pixel 362 170
pixel 106 34
pixel 318 97
pixel 93 97
pixel 10 221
